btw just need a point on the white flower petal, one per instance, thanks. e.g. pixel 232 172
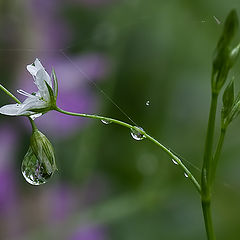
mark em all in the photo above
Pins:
pixel 45 77
pixel 40 100
pixel 35 67
pixel 32 103
pixel 10 109
pixel 32 69
pixel 41 77
pixel 31 99
pixel 38 64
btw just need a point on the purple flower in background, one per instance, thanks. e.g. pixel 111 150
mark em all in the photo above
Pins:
pixel 9 197
pixel 60 202
pixel 52 30
pixel 90 233
pixel 93 3
pixel 7 184
pixel 50 34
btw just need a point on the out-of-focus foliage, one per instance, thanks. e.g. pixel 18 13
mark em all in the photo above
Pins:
pixel 153 59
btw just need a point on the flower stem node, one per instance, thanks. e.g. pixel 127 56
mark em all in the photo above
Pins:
pixel 39 163
pixel 39 102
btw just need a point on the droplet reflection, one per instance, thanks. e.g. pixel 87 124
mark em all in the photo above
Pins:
pixel 137 135
pixel 185 174
pixel 175 162
pixel 105 121
pixel 33 170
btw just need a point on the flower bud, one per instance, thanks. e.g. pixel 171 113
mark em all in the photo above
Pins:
pixel 39 162
pixel 225 56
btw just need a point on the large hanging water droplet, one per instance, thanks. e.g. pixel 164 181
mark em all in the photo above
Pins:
pixel 105 121
pixel 34 171
pixel 136 134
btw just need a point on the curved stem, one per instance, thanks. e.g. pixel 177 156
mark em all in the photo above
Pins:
pixel 165 149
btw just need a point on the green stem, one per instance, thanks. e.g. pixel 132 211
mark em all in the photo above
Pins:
pixel 165 149
pixel 207 160
pixel 206 169
pixel 9 94
pixel 206 207
pixel 217 153
pixel 34 127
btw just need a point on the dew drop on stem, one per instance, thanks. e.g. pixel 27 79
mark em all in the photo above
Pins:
pixel 136 134
pixel 175 162
pixel 105 121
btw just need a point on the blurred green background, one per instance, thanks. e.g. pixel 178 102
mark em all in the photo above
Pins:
pixel 152 59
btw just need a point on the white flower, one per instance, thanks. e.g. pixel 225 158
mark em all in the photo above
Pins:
pixel 36 103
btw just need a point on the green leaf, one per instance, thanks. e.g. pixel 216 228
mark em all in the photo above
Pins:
pixel 228 99
pixel 52 98
pixel 55 81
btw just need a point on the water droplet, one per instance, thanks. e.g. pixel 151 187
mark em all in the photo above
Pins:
pixel 34 171
pixel 217 20
pixel 136 134
pixel 105 121
pixel 175 162
pixel 147 103
pixel 185 174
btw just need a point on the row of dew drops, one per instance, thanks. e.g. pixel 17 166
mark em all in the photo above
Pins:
pixel 35 173
pixel 137 135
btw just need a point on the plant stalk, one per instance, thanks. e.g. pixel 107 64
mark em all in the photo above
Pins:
pixel 217 153
pixel 207 167
pixel 165 149
pixel 206 208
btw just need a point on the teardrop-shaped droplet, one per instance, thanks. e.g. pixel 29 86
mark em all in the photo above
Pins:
pixel 185 174
pixel 147 103
pixel 175 162
pixel 34 171
pixel 137 135
pixel 105 121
